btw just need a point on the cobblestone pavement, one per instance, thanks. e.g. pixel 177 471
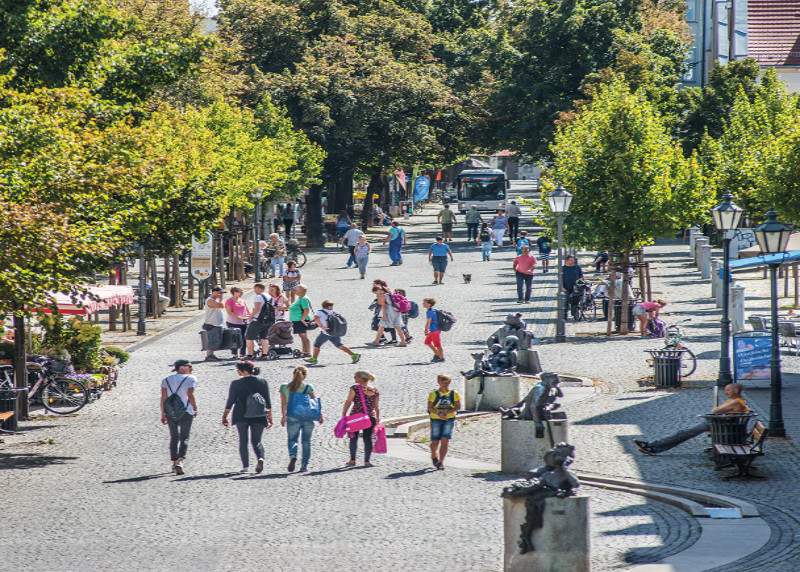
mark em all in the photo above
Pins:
pixel 100 497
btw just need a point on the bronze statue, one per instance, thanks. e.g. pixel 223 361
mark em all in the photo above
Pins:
pixel 512 326
pixel 502 360
pixel 539 404
pixel 550 480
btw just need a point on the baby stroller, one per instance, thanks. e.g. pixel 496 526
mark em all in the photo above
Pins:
pixel 280 338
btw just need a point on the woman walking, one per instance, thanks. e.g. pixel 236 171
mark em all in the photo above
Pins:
pixel 361 251
pixel 277 252
pixel 288 219
pixel 485 240
pixel 291 279
pixel 236 317
pixel 364 398
pixel 390 317
pixel 297 429
pixel 342 224
pixel 299 313
pixel 279 301
pixel 248 396
pixel 499 228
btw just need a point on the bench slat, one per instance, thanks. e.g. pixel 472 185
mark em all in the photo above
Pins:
pixel 6 415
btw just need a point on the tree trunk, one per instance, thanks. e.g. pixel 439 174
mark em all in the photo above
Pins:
pixel 314 234
pixel 154 291
pixel 626 280
pixel 20 368
pixel 112 311
pixel 167 280
pixel 612 292
pixel 221 259
pixel 343 196
pixel 176 275
pixel 373 188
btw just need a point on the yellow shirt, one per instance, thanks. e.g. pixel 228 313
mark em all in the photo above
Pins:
pixel 446 401
pixel 742 405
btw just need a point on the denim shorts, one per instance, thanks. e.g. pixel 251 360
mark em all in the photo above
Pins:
pixel 441 428
pixel 439 263
pixel 324 337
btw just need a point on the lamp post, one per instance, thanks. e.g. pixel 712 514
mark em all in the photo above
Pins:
pixel 141 325
pixel 726 218
pixel 772 237
pixel 559 201
pixel 257 194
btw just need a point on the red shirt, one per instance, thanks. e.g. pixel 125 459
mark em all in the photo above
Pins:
pixel 525 264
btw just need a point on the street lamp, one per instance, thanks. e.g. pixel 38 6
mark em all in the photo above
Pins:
pixel 772 238
pixel 257 193
pixel 726 218
pixel 559 201
pixel 141 325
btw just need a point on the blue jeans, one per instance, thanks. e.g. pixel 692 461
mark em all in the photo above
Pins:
pixel 524 280
pixel 293 429
pixel 487 249
pixel 362 264
pixel 394 250
pixel 352 259
pixel 472 230
pixel 277 262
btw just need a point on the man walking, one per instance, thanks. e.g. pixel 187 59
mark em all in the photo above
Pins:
pixel 321 318
pixel 571 273
pixel 182 383
pixel 397 239
pixel 524 265
pixel 437 255
pixel 288 220
pixel 261 319
pixel 350 239
pixel 473 219
pixel 213 322
pixel 447 219
pixel 513 213
pixel 543 242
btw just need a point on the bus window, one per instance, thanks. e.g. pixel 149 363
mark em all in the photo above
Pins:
pixel 482 190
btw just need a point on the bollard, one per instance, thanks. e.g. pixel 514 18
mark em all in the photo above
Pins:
pixel 716 281
pixel 693 234
pixel 704 261
pixel 562 544
pixel 520 450
pixel 700 241
pixel 737 308
pixel 720 293
pixel 491 392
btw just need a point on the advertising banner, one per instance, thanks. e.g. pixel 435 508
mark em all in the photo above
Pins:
pixel 202 256
pixel 751 355
pixel 422 187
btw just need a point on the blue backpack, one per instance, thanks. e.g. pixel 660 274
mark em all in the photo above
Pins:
pixel 656 328
pixel 413 312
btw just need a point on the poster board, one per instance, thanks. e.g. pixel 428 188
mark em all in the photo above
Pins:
pixel 202 256
pixel 751 354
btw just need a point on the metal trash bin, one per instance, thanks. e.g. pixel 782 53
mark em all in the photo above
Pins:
pixel 667 365
pixel 8 402
pixel 727 429
pixel 632 322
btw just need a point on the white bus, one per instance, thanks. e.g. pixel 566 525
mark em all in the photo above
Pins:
pixel 484 188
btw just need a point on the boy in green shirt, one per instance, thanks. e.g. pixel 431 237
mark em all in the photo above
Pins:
pixel 442 406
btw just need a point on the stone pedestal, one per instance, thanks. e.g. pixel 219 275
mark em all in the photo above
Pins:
pixel 520 450
pixel 694 232
pixel 716 281
pixel 528 362
pixel 698 244
pixel 737 308
pixel 704 261
pixel 498 391
pixel 561 545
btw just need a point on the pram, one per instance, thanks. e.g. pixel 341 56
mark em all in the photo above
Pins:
pixel 280 338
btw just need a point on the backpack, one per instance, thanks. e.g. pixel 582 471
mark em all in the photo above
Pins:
pixel 522 242
pixel 255 405
pixel 413 312
pixel 656 328
pixel 445 320
pixel 337 325
pixel 174 407
pixel 400 302
pixel 446 401
pixel 266 314
pixel 485 236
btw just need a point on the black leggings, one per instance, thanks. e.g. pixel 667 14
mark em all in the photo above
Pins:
pixel 367 442
pixel 256 431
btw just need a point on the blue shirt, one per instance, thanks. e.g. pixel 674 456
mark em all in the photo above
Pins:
pixel 396 233
pixel 439 249
pixel 434 318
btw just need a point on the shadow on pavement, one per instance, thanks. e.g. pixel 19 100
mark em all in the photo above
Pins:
pixel 496 476
pixel 417 473
pixel 208 477
pixel 249 477
pixel 30 460
pixel 139 479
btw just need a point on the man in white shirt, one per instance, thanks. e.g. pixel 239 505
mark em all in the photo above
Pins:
pixel 182 383
pixel 513 213
pixel 214 322
pixel 321 318
pixel 259 325
pixel 350 239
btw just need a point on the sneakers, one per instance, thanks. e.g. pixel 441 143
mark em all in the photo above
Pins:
pixel 401 261
pixel 435 462
pixel 394 264
pixel 390 342
pixel 355 358
pixel 178 467
pixel 312 360
pixel 644 447
pixel 302 469
pixel 260 465
pixel 292 463
pixel 409 339
pixel 362 276
pixel 435 282
pixel 437 359
pixel 248 358
pixel 372 344
pixel 245 470
pixel 212 357
pixel 402 345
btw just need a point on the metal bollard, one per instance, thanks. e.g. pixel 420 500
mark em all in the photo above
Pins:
pixel 694 232
pixel 704 261
pixel 700 241
pixel 716 281
pixel 737 308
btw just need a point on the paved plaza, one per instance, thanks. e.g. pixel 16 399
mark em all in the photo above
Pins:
pixel 94 491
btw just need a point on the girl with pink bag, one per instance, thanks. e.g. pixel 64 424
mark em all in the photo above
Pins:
pixel 364 414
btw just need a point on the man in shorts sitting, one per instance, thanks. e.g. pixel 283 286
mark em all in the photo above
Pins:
pixel 443 403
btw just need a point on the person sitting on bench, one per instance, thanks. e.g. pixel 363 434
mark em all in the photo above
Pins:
pixel 734 404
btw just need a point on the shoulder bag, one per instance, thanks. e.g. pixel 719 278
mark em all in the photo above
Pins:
pixel 303 406
pixel 358 421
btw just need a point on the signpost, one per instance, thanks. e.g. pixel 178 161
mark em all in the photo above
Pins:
pixel 202 263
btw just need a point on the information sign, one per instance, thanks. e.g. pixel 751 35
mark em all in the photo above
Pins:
pixel 751 355
pixel 202 256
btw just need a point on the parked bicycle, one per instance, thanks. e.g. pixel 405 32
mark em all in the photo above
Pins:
pixel 673 341
pixel 293 252
pixel 582 303
pixel 58 394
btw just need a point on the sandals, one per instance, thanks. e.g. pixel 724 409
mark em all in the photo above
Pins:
pixel 350 464
pixel 368 464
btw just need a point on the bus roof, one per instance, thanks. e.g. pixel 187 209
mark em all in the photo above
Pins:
pixel 481 172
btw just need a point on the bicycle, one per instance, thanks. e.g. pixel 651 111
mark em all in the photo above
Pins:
pixel 293 252
pixel 672 341
pixel 59 395
pixel 583 305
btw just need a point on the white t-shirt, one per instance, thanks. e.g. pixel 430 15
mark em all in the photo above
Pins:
pixel 323 317
pixel 172 382
pixel 214 316
pixel 351 236
pixel 259 302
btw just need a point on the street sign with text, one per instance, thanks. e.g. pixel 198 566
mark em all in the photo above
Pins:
pixel 202 256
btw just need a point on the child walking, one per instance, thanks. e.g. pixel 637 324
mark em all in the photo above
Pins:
pixel 432 331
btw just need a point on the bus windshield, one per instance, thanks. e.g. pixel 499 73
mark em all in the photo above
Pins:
pixel 489 188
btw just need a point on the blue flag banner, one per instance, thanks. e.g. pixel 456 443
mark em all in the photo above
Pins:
pixel 422 187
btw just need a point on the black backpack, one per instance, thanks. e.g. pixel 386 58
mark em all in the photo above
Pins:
pixel 266 315
pixel 445 320
pixel 255 405
pixel 337 325
pixel 174 407
pixel 445 401
pixel 485 236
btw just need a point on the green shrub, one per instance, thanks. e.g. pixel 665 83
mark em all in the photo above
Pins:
pixel 6 350
pixel 121 355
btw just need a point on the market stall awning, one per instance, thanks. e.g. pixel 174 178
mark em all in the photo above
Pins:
pixel 749 263
pixel 108 297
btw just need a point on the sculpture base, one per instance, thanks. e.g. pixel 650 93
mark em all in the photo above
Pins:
pixel 498 391
pixel 561 545
pixel 521 451
pixel 528 362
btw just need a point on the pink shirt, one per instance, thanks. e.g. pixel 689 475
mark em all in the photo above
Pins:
pixel 239 308
pixel 649 306
pixel 525 264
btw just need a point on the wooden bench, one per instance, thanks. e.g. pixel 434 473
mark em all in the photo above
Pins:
pixel 5 416
pixel 743 455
